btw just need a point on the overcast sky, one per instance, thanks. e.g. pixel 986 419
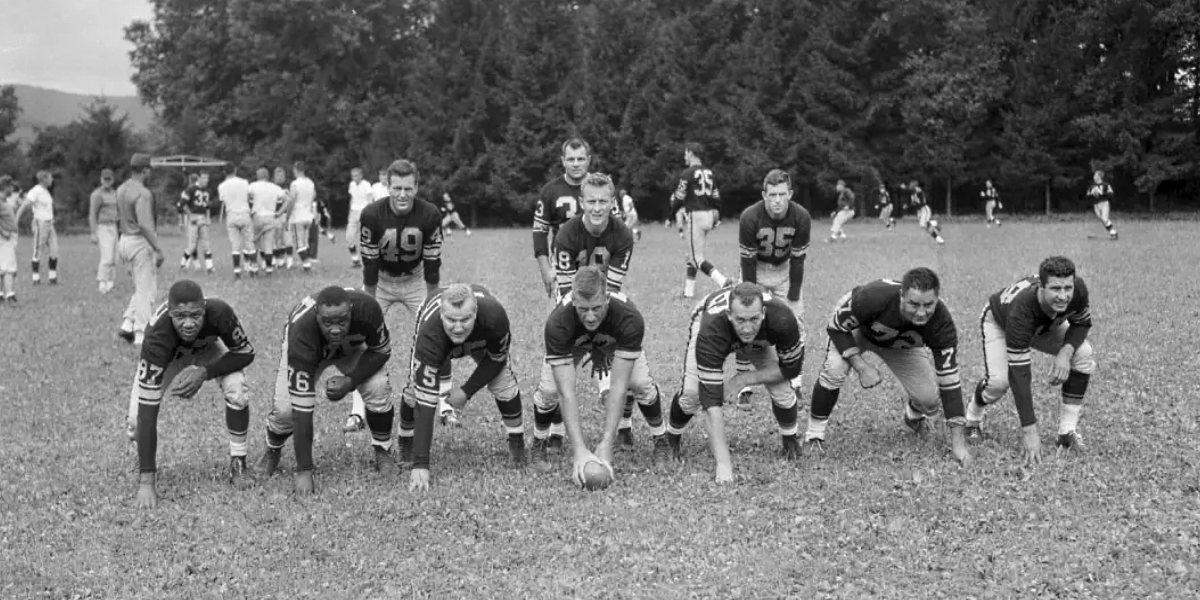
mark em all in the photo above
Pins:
pixel 71 45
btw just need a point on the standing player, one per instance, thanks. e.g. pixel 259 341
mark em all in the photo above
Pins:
pixel 450 216
pixel 1049 313
pixel 557 202
pixel 631 216
pixel 917 202
pixel 740 319
pixel 45 238
pixel 594 237
pixel 301 203
pixel 139 247
pixel 991 202
pixel 607 327
pixel 845 212
pixel 910 328
pixel 1100 193
pixel 361 195
pixel 234 194
pixel 883 203
pixel 190 340
pixel 401 242
pixel 699 197
pixel 773 236
pixel 284 253
pixel 8 242
pixel 263 197
pixel 342 328
pixel 194 202
pixel 102 216
pixel 461 321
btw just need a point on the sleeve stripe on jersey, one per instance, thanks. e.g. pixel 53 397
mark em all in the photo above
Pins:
pixel 559 359
pixel 748 252
pixel 792 354
pixel 615 277
pixel 541 224
pixel 1083 318
pixel 711 376
pixel 1018 357
pixel 799 251
pixel 681 190
pixel 369 251
pixel 298 408
pixel 949 380
pixel 627 354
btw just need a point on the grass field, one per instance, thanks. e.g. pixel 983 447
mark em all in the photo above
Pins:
pixel 883 514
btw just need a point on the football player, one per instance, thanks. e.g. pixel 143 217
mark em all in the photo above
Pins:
pixel 699 197
pixel 845 212
pixel 190 340
pixel 883 203
pixel 195 203
pixel 557 202
pixel 773 236
pixel 460 321
pixel 401 242
pixel 361 194
pixel 991 202
pixel 631 216
pixel 742 318
pixel 342 328
pixel 593 237
pixel 284 244
pixel 1101 193
pixel 1049 313
pixel 917 202
pixel 264 195
pixel 450 216
pixel 609 329
pixel 907 325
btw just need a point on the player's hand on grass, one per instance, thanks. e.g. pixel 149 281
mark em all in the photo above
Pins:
pixel 304 483
pixel 418 480
pixel 724 473
pixel 337 387
pixel 188 381
pixel 1031 444
pixel 868 376
pixel 147 496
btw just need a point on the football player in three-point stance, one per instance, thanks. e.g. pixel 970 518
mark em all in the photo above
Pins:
pixel 340 328
pixel 400 238
pixel 773 237
pixel 1049 313
pixel 699 197
pixel 1101 194
pixel 607 327
pixel 190 340
pixel 461 321
pixel 557 202
pixel 909 327
pixel 746 319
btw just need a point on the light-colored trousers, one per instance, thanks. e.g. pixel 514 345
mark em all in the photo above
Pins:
pixel 136 252
pixel 106 238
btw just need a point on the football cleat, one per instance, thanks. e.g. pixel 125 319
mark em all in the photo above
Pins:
pixel 405 444
pixel 974 432
pixel 1069 441
pixel 270 460
pixel 745 395
pixel 385 463
pixel 916 425
pixel 625 436
pixel 554 442
pixel 131 430
pixel 662 449
pixel 238 471
pixel 814 446
pixel 12 299
pixel 940 240
pixel 516 449
pixel 126 335
pixel 450 418
pixel 1113 236
pixel 791 447
pixel 537 452
pixel 675 443
pixel 354 423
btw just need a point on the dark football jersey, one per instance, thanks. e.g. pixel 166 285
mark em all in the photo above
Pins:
pixel 716 339
pixel 162 344
pixel 399 244
pixel 916 198
pixel 773 241
pixel 1017 310
pixel 307 348
pixel 1100 192
pixel 882 199
pixel 989 195
pixel 845 199
pixel 557 202
pixel 574 247
pixel 196 200
pixel 433 350
pixel 696 190
pixel 619 334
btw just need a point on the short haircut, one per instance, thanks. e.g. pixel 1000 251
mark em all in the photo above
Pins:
pixel 184 291
pixel 403 168
pixel 598 180
pixel 231 168
pixel 695 148
pixel 262 172
pixel 576 143
pixel 43 174
pixel 1055 266
pixel 922 279
pixel 193 177
pixel 298 166
pixel 458 295
pixel 589 283
pixel 334 295
pixel 746 293
pixel 776 177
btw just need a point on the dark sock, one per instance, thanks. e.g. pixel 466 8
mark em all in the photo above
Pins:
pixel 823 401
pixel 380 424
pixel 303 439
pixel 147 437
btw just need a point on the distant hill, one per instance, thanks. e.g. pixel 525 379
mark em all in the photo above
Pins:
pixel 41 107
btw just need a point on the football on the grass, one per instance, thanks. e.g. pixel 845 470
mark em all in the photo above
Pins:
pixel 595 476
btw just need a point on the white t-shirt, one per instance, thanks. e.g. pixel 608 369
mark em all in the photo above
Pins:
pixel 360 194
pixel 305 194
pixel 234 193
pixel 379 191
pixel 42 203
pixel 627 205
pixel 263 197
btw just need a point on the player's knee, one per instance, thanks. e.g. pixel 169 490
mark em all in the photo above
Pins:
pixel 926 399
pixel 545 400
pixel 644 392
pixel 933 223
pixel 233 387
pixel 832 378
pixel 377 392
pixel 504 388
pixel 1083 361
pixel 689 402
pixel 782 395
pixel 994 387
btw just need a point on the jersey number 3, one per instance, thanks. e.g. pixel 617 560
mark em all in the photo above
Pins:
pixel 403 247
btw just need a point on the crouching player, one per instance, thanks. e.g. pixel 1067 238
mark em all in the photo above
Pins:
pixel 342 328
pixel 461 321
pixel 909 327
pixel 190 340
pixel 1048 313
pixel 764 330
pixel 609 328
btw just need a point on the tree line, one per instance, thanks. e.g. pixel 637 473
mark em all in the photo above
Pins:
pixel 1033 94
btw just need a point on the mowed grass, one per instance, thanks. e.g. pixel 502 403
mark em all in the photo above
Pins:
pixel 883 514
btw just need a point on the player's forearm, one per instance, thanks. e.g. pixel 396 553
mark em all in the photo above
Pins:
pixel 716 438
pixel 795 278
pixel 229 362
pixel 94 214
pixel 1076 335
pixel 147 437
pixel 150 236
pixel 771 374
pixel 1020 379
pixel 615 407
pixel 368 364
pixel 423 435
pixel 485 372
pixel 842 340
pixel 433 271
pixel 750 269
pixel 370 271
pixel 541 247
pixel 564 378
